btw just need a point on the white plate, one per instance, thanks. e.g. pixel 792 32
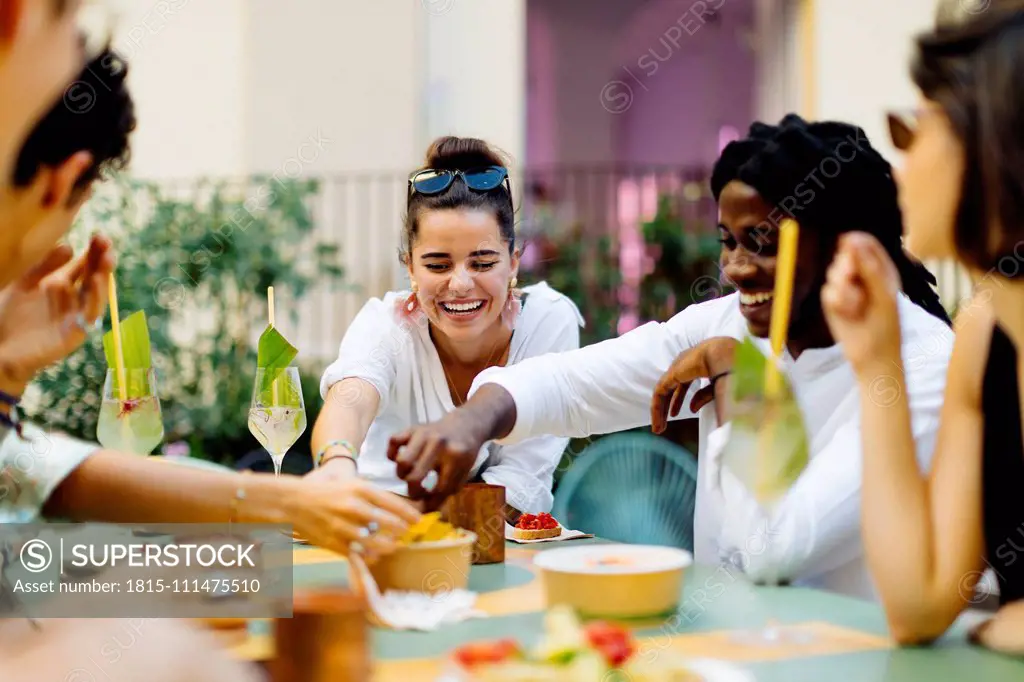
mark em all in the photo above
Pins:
pixel 709 669
pixel 613 559
pixel 720 671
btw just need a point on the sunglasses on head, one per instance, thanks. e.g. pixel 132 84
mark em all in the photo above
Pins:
pixel 434 181
pixel 902 128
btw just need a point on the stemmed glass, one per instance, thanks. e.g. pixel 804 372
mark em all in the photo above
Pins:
pixel 742 458
pixel 133 425
pixel 277 414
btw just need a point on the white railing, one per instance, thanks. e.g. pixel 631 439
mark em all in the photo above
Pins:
pixel 364 215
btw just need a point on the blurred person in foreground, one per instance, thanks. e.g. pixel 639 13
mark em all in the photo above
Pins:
pixel 813 535
pixel 45 315
pixel 41 50
pixel 929 537
pixel 410 357
pixel 116 650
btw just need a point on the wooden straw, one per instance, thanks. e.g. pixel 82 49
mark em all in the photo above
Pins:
pixel 270 304
pixel 785 268
pixel 270 312
pixel 115 322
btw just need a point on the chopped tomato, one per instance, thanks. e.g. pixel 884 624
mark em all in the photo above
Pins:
pixel 542 521
pixel 477 653
pixel 614 643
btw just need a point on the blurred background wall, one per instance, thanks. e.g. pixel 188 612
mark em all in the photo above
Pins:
pixel 607 108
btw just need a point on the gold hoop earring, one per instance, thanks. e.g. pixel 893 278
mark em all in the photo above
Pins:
pixel 513 283
pixel 411 304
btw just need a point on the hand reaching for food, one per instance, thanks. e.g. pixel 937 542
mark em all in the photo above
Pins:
pixel 448 447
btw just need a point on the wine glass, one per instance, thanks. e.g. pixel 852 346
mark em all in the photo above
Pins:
pixel 758 428
pixel 134 424
pixel 277 414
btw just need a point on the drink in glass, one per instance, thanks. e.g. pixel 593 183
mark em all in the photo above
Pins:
pixel 134 424
pixel 277 414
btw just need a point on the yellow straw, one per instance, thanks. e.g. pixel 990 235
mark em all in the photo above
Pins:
pixel 785 268
pixel 115 321
pixel 270 310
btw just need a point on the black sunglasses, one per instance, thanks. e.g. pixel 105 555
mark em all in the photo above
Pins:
pixel 902 129
pixel 434 181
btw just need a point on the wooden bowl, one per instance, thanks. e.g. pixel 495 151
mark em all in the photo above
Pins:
pixel 435 566
pixel 615 581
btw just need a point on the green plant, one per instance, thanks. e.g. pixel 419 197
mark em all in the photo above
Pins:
pixel 587 271
pixel 685 268
pixel 199 262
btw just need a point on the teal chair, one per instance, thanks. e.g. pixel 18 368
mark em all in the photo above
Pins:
pixel 631 487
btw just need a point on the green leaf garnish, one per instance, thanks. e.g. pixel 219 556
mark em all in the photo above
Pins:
pixel 134 343
pixel 135 348
pixel 273 355
pixel 563 657
pixel 274 351
pixel 768 447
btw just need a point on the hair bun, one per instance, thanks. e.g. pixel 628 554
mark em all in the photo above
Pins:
pixel 463 153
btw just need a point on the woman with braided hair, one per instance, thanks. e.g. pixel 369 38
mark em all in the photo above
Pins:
pixel 827 176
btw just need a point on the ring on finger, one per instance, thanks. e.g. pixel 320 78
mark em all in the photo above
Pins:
pixel 430 481
pixel 84 324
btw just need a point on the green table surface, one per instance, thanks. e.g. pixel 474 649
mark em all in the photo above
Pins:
pixel 713 599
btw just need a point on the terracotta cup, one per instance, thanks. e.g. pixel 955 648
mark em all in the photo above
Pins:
pixel 480 508
pixel 325 640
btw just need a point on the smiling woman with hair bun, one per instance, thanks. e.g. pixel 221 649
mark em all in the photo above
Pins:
pixel 409 357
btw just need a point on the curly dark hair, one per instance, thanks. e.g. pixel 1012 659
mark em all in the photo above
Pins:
pixel 779 161
pixel 96 114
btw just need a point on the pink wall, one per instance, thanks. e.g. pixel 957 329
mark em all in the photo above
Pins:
pixel 635 82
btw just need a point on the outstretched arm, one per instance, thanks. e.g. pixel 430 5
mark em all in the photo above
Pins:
pixel 602 388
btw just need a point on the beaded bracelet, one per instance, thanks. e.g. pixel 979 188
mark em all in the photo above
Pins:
pixel 351 452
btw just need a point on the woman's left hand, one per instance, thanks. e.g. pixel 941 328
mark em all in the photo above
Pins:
pixel 1004 632
pixel 859 302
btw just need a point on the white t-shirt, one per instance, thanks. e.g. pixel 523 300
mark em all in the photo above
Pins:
pixel 815 529
pixel 397 357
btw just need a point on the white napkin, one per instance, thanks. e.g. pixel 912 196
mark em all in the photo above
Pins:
pixel 415 610
pixel 566 535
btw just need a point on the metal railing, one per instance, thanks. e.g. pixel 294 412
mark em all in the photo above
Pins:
pixel 364 214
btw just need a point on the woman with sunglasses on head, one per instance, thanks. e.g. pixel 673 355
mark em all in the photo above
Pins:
pixel 410 357
pixel 928 538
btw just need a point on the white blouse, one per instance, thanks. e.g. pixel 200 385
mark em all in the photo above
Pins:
pixel 814 532
pixel 398 358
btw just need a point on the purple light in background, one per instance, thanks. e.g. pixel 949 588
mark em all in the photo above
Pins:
pixel 727 134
